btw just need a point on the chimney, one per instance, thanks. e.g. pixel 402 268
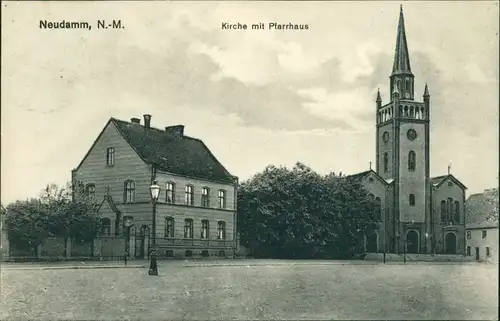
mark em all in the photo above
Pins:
pixel 177 130
pixel 147 121
pixel 135 120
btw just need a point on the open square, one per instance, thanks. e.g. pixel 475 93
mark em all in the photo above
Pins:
pixel 250 289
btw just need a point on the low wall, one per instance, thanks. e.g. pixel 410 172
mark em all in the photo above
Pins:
pixel 392 257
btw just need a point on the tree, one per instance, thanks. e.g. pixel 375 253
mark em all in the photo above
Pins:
pixel 54 213
pixel 492 198
pixel 299 213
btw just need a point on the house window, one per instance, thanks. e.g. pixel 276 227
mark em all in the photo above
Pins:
pixel 222 254
pixel 189 197
pixel 169 227
pixel 488 251
pixel 469 236
pixel 484 234
pixel 189 253
pixel 127 219
pixel 169 253
pixel 386 162
pixel 457 212
pixel 222 199
pixel 204 229
pixel 110 156
pixel 443 211
pixel 188 228
pixel 221 230
pixel 469 251
pixel 129 196
pixel 90 191
pixel 412 199
pixel 105 226
pixel 378 209
pixel 205 253
pixel 205 197
pixel 411 161
pixel 169 193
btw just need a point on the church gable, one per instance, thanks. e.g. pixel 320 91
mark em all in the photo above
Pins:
pixel 374 185
pixel 448 181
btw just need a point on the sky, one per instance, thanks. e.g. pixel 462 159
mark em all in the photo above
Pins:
pixel 255 97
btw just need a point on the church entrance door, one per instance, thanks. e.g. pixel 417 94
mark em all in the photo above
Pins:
pixel 412 243
pixel 451 243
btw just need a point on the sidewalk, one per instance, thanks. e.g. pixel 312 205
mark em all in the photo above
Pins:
pixel 71 265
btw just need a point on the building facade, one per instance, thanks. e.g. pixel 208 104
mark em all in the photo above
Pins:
pixel 196 209
pixel 418 213
pixel 482 227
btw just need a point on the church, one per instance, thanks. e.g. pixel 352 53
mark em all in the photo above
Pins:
pixel 416 213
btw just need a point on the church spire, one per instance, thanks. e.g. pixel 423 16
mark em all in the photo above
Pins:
pixel 401 56
pixel 402 79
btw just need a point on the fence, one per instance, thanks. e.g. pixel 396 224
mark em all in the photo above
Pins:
pixel 58 248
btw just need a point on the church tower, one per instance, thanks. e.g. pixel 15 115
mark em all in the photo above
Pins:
pixel 402 148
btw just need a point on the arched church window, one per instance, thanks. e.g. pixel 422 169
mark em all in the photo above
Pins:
pixel 386 162
pixel 412 114
pixel 411 161
pixel 449 210
pixel 378 209
pixel 457 212
pixel 443 211
pixel 406 111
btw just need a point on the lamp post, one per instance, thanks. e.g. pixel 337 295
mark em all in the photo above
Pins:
pixel 397 243
pixel 426 242
pixel 127 223
pixel 405 249
pixel 155 192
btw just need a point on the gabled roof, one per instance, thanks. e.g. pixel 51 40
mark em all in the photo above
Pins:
pixel 479 209
pixel 181 155
pixel 361 175
pixel 109 200
pixel 438 180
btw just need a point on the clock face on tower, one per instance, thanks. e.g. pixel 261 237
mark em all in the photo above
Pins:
pixel 411 134
pixel 385 137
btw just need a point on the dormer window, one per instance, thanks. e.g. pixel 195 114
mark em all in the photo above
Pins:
pixel 110 156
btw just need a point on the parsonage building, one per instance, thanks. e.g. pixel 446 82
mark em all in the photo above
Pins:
pixel 417 213
pixel 196 209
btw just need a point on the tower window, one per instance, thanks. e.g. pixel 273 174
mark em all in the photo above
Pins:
pixel 411 161
pixel 386 162
pixel 408 88
pixel 412 199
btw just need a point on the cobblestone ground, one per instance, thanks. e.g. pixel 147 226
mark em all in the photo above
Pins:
pixel 254 290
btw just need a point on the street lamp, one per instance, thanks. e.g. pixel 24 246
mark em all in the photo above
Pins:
pixel 155 193
pixel 397 242
pixel 127 223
